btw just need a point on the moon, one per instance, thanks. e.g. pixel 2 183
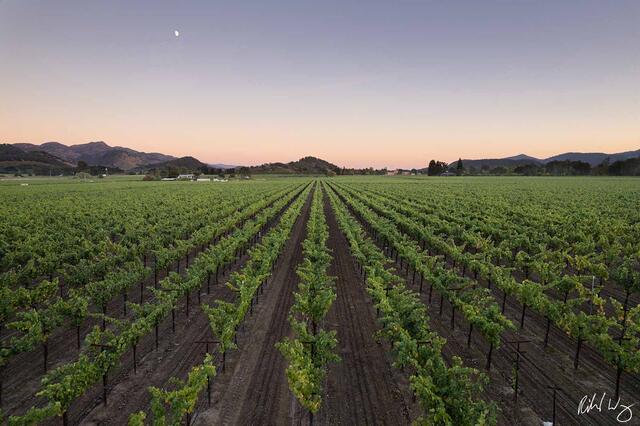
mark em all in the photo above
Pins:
pixel 176 33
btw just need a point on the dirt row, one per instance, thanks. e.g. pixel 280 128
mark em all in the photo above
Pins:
pixel 253 388
pixel 364 387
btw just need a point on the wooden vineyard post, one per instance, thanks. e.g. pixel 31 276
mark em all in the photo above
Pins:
pixel 453 316
pixel 619 365
pixel 576 361
pixel 518 352
pixel 453 310
pixel 553 416
pixel 207 343
pixel 1 376
pixel 104 389
pixel 156 333
pixel 104 376
pixel 45 348
pixel 469 335
pixel 546 334
pixel 489 354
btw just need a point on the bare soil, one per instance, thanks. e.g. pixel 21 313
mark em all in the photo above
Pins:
pixel 364 388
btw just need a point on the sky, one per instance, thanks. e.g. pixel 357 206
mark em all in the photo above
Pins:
pixel 358 83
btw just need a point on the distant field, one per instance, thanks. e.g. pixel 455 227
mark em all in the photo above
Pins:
pixel 355 299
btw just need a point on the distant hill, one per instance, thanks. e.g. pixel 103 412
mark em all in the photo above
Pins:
pixel 14 159
pixel 593 158
pixel 184 163
pixel 98 154
pixel 523 157
pixel 12 153
pixel 306 165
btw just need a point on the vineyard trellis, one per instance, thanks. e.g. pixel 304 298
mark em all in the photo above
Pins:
pixel 537 281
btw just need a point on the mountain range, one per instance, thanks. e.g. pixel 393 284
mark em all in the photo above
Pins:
pixel 593 158
pixel 57 156
pixel 97 154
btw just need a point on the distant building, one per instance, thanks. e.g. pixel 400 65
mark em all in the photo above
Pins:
pixel 448 174
pixel 203 180
pixel 186 177
pixel 392 172
pixel 168 179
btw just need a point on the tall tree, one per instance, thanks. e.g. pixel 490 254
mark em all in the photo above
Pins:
pixel 436 167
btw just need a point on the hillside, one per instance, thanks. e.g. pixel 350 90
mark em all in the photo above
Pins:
pixel 593 158
pixel 98 154
pixel 306 165
pixel 15 160
pixel 182 163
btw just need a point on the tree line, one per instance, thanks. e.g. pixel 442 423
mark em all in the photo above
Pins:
pixel 629 167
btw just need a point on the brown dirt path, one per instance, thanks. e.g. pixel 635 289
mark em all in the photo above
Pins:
pixel 254 388
pixel 363 388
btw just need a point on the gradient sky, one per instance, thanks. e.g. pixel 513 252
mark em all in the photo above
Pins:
pixel 363 83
